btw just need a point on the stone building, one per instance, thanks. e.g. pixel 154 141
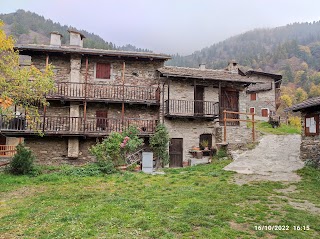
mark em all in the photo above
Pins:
pixel 310 133
pixel 101 91
pixel 193 105
pixel 96 92
pixel 263 98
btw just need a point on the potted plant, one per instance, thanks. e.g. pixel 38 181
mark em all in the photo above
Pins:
pixel 204 144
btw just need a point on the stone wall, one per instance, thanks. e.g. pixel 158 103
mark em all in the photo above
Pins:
pixel 264 100
pixel 190 131
pixel 54 150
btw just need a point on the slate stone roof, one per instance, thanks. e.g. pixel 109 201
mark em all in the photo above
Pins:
pixel 305 104
pixel 206 74
pixel 88 51
pixel 259 87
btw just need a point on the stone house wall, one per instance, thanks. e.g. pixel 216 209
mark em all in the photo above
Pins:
pixel 190 130
pixel 310 145
pixel 264 99
pixel 54 150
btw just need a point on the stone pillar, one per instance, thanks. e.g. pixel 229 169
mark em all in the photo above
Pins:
pixel 75 77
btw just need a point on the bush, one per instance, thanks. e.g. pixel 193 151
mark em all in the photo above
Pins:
pixel 22 162
pixel 295 121
pixel 115 148
pixel 159 144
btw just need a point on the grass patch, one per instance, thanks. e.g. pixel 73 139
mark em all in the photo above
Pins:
pixel 192 202
pixel 284 129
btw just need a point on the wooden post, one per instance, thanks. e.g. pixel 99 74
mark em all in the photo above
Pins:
pixel 253 132
pixel 44 106
pixel 85 97
pixel 168 100
pixel 225 126
pixel 122 110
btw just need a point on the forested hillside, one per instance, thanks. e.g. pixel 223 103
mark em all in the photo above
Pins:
pixel 292 50
pixel 28 27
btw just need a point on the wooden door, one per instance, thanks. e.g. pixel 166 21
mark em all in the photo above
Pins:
pixel 175 152
pixel 198 97
pixel 101 117
pixel 229 102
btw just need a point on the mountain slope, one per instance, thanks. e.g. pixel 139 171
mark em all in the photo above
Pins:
pixel 28 27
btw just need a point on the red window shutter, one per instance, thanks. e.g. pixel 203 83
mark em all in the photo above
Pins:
pixel 252 110
pixel 253 96
pixel 264 112
pixel 103 71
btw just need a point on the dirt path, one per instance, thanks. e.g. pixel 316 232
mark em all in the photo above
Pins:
pixel 274 159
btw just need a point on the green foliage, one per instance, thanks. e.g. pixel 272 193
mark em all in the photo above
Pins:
pixel 159 143
pixel 265 127
pixel 295 121
pixel 22 161
pixel 222 153
pixel 116 147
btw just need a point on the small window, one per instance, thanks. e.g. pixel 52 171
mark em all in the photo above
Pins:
pixel 253 96
pixel 311 125
pixel 265 112
pixel 102 119
pixel 252 110
pixel 102 71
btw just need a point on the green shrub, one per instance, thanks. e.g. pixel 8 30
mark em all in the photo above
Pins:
pixel 22 162
pixel 159 144
pixel 222 153
pixel 117 146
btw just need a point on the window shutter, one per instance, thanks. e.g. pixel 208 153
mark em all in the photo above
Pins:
pixel 252 110
pixel 103 71
pixel 253 96
pixel 264 112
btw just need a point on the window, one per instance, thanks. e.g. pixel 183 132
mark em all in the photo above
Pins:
pixel 252 110
pixel 311 125
pixel 265 112
pixel 102 121
pixel 102 71
pixel 253 96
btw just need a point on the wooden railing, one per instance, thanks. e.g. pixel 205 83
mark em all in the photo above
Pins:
pixel 196 108
pixel 90 91
pixel 7 150
pixel 74 125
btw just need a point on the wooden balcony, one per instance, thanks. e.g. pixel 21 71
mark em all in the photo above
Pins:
pixel 64 125
pixel 192 109
pixel 68 91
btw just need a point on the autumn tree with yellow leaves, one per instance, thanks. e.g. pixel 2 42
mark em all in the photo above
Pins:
pixel 21 86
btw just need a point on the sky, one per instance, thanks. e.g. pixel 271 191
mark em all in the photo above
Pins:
pixel 169 26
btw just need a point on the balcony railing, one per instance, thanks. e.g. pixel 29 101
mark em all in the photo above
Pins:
pixel 192 108
pixel 104 92
pixel 64 125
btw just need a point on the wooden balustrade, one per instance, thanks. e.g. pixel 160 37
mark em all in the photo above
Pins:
pixel 105 92
pixel 65 125
pixel 7 150
pixel 192 108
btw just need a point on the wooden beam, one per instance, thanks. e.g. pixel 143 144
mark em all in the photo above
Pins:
pixel 85 96
pixel 122 108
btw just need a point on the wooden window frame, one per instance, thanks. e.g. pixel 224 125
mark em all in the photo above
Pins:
pixel 253 98
pixel 267 111
pixel 306 132
pixel 254 110
pixel 108 77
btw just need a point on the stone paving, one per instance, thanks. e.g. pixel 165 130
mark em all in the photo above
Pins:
pixel 275 158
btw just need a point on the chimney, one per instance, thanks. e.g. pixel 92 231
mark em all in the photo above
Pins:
pixel 76 38
pixel 202 66
pixel 233 66
pixel 55 39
